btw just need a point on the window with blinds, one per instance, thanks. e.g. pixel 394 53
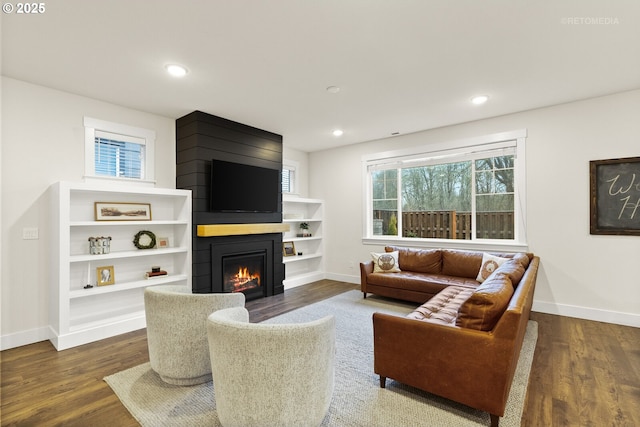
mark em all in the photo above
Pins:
pixel 119 151
pixel 289 177
pixel 119 155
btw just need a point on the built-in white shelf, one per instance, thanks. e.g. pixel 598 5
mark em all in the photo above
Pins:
pixel 308 267
pixel 79 315
pixel 97 290
pixel 123 223
pixel 125 254
pixel 302 239
pixel 290 259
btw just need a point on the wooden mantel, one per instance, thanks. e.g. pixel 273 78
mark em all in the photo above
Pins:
pixel 212 230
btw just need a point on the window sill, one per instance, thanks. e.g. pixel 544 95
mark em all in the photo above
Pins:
pixel 484 245
pixel 119 181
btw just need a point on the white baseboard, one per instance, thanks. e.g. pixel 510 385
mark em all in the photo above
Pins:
pixel 100 332
pixel 62 342
pixel 344 278
pixel 587 313
pixel 18 339
pixel 303 279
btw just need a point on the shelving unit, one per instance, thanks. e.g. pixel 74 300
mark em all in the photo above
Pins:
pixel 79 315
pixel 308 267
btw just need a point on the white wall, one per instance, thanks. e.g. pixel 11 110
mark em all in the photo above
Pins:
pixel 581 275
pixel 42 143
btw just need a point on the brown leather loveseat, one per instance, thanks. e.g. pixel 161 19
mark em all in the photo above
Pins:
pixel 464 342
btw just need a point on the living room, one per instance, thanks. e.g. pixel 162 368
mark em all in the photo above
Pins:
pixel 581 275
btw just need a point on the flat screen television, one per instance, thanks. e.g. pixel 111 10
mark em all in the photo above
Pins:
pixel 242 188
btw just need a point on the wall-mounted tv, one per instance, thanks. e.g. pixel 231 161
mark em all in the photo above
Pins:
pixel 237 187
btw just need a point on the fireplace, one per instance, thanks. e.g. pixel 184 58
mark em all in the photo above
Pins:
pixel 200 139
pixel 251 264
pixel 245 273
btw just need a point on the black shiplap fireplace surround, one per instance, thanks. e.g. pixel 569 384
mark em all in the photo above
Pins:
pixel 201 137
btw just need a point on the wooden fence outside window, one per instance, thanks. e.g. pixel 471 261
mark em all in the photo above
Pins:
pixel 448 224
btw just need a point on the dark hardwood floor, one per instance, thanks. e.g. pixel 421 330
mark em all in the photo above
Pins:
pixel 584 373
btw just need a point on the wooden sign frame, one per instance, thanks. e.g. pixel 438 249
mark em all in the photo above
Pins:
pixel 615 196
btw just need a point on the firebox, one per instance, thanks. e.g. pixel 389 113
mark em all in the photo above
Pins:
pixel 244 273
pixel 251 264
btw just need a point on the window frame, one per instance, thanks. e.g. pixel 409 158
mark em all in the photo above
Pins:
pixel 425 154
pixel 128 133
pixel 292 167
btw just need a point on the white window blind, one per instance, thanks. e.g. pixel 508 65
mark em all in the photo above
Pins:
pixel 289 177
pixel 119 155
pixel 286 180
pixel 119 151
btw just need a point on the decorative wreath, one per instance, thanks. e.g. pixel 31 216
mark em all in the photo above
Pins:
pixel 148 240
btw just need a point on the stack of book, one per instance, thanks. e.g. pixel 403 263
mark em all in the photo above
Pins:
pixel 152 274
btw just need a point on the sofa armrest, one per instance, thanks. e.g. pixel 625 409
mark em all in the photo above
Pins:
pixel 464 365
pixel 366 268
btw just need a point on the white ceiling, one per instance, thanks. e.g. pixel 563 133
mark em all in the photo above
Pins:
pixel 402 65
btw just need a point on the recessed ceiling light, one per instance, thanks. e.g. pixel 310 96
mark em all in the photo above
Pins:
pixel 176 70
pixel 333 89
pixel 480 99
pixel 337 132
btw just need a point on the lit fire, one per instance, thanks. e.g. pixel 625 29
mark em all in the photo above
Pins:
pixel 244 279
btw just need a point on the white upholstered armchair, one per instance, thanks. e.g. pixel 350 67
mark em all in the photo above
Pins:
pixel 177 331
pixel 271 375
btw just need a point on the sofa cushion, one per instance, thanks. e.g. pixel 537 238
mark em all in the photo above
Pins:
pixel 513 269
pixel 523 259
pixel 386 262
pixel 420 282
pixel 461 263
pixel 442 308
pixel 418 260
pixel 486 304
pixel 490 263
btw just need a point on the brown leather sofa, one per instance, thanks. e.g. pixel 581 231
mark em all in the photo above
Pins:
pixel 425 272
pixel 464 343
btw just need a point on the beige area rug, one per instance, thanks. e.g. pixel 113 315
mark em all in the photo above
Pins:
pixel 357 400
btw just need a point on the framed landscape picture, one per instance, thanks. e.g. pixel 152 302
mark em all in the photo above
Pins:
pixel 615 196
pixel 111 211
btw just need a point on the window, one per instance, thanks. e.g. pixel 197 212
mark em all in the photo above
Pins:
pixel 289 177
pixel 118 151
pixel 469 190
pixel 118 158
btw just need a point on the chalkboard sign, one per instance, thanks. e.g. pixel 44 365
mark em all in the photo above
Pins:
pixel 615 196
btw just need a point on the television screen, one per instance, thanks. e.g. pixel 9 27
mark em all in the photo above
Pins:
pixel 242 188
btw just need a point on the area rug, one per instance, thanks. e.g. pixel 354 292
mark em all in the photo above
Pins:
pixel 357 400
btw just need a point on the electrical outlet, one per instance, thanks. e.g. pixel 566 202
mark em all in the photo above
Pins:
pixel 30 233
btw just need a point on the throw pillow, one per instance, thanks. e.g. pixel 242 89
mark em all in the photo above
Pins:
pixel 489 264
pixel 386 262
pixel 486 304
